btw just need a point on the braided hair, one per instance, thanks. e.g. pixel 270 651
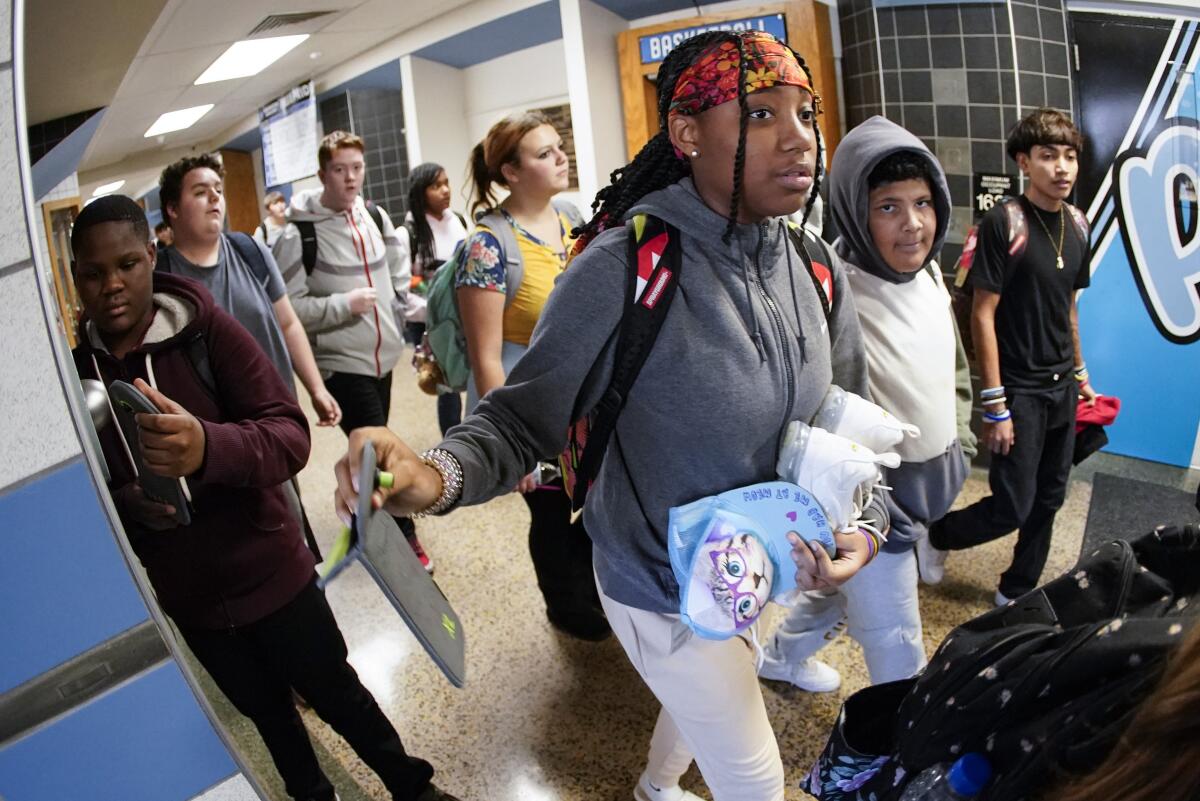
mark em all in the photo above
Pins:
pixel 421 178
pixel 656 165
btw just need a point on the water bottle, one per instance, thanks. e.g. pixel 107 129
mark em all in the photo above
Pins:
pixel 966 778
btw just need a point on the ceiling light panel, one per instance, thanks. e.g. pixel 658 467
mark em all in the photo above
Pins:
pixel 249 57
pixel 177 120
pixel 107 189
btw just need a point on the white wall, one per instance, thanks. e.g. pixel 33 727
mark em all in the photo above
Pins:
pixel 594 77
pixel 435 119
pixel 532 78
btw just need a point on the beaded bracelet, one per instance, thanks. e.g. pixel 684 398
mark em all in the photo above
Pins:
pixel 998 418
pixel 452 482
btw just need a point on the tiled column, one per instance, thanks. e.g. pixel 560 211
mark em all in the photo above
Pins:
pixel 948 76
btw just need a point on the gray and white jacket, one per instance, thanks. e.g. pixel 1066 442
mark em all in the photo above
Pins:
pixel 351 253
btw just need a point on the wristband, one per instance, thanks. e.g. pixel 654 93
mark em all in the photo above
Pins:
pixel 992 392
pixel 872 544
pixel 998 418
pixel 452 482
pixel 994 401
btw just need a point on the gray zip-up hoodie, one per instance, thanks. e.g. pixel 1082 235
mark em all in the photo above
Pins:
pixel 351 253
pixel 743 351
pixel 917 366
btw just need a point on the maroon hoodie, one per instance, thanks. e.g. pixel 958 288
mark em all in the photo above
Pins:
pixel 243 556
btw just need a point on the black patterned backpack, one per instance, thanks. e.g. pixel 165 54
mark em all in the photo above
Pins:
pixel 1042 687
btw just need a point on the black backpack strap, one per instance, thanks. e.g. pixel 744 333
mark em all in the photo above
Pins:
pixel 376 215
pixel 197 352
pixel 817 261
pixel 308 244
pixel 649 288
pixel 248 249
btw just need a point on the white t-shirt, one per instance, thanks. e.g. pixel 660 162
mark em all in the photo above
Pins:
pixel 448 231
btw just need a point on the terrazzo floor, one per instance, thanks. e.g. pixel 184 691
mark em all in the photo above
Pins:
pixel 544 717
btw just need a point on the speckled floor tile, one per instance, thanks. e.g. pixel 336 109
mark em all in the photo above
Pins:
pixel 544 717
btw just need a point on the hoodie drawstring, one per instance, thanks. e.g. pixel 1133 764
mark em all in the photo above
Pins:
pixel 801 340
pixel 757 335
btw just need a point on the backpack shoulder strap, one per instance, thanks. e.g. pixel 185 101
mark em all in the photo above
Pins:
pixel 247 248
pixel 1081 224
pixel 376 213
pixel 1018 226
pixel 568 210
pixel 308 244
pixel 817 260
pixel 197 353
pixel 653 268
pixel 510 251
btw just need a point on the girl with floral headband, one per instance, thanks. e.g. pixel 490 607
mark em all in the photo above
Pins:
pixel 745 348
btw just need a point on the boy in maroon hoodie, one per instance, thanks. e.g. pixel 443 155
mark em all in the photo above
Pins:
pixel 238 580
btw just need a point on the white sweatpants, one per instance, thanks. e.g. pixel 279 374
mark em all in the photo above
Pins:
pixel 712 707
pixel 880 606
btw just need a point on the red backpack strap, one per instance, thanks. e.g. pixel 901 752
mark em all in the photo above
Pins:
pixel 1018 238
pixel 1081 224
pixel 1018 227
pixel 652 276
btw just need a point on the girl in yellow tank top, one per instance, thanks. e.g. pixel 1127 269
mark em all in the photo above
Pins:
pixel 484 267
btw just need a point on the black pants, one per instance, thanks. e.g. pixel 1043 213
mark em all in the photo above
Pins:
pixel 1028 488
pixel 561 552
pixel 300 646
pixel 365 401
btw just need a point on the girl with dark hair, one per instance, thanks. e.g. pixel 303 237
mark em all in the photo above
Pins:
pixel 434 231
pixel 745 349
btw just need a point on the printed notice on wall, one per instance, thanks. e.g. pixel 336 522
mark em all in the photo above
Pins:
pixel 989 189
pixel 289 136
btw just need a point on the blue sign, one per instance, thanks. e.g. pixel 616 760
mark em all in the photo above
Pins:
pixel 655 47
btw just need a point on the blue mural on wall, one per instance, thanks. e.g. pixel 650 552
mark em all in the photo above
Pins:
pixel 1140 319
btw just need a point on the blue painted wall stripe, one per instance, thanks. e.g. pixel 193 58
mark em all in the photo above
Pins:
pixel 64 585
pixel 146 741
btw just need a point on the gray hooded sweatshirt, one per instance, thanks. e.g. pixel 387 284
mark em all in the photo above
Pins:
pixel 917 366
pixel 351 253
pixel 744 350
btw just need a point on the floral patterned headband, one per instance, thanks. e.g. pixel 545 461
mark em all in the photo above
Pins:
pixel 712 79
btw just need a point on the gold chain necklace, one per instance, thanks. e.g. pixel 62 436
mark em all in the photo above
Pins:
pixel 1062 230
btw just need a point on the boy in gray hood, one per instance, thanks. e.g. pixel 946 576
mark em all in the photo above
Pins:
pixel 745 348
pixel 892 206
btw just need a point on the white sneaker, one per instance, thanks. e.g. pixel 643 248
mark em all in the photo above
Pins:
pixel 645 791
pixel 831 468
pixel 1001 599
pixel 856 418
pixel 811 675
pixel 931 562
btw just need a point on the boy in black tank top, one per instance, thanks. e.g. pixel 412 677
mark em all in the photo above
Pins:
pixel 1026 334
